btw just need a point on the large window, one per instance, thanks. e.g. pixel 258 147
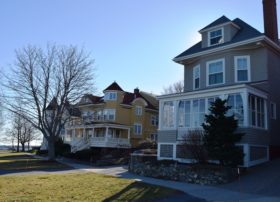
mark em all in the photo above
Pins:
pixel 185 113
pixel 257 112
pixel 196 77
pixel 198 112
pixel 215 37
pixel 109 114
pixel 137 129
pixel 110 96
pixel 242 68
pixel 191 113
pixel 168 114
pixel 236 104
pixel 138 110
pixel 215 72
pixel 154 120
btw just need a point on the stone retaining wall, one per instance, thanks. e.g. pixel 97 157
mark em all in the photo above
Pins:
pixel 147 165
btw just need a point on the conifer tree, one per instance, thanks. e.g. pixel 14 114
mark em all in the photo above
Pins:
pixel 220 135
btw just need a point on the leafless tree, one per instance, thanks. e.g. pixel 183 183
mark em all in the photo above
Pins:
pixel 177 87
pixel 61 74
pixel 193 147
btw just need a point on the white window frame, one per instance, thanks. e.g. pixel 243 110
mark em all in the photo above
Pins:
pixel 138 110
pixel 194 78
pixel 214 30
pixel 137 129
pixel 273 111
pixel 207 71
pixel 154 120
pixel 236 68
pixel 110 96
pixel 108 114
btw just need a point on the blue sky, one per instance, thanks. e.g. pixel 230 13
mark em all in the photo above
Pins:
pixel 133 42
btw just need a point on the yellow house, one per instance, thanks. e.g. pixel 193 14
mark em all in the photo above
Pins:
pixel 119 119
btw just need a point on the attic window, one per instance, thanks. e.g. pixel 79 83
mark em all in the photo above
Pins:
pixel 216 37
pixel 110 96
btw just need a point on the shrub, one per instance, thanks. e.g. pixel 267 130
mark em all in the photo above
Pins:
pixel 193 145
pixel 220 135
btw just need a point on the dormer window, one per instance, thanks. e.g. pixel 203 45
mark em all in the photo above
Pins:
pixel 110 96
pixel 216 37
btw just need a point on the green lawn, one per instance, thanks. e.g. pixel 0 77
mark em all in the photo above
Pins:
pixel 75 187
pixel 22 161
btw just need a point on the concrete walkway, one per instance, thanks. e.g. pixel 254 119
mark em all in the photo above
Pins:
pixel 228 193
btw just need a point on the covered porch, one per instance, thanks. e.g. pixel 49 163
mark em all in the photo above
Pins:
pixel 99 135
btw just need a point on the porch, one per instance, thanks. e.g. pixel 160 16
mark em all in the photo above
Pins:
pixel 98 135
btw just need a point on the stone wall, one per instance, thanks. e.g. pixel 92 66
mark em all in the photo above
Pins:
pixel 147 165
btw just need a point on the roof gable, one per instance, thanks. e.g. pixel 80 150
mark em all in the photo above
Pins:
pixel 114 86
pixel 219 21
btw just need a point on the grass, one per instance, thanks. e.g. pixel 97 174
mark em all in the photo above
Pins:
pixel 75 187
pixel 10 161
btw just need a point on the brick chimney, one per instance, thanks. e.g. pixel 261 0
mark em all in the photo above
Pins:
pixel 270 20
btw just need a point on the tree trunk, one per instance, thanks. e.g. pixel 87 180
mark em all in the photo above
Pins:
pixel 17 145
pixel 51 149
pixel 22 147
pixel 28 145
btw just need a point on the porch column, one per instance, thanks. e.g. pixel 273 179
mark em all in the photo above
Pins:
pixel 245 107
pixel 106 134
pixel 128 134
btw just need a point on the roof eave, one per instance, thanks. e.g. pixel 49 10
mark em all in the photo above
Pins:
pixel 221 48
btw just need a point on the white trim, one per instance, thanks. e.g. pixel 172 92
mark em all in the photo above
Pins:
pixel 214 30
pixel 221 48
pixel 213 91
pixel 236 68
pixel 194 78
pixel 207 71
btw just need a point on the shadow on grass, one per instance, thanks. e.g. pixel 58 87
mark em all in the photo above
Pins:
pixel 138 191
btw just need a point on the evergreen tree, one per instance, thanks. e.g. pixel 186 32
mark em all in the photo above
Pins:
pixel 221 136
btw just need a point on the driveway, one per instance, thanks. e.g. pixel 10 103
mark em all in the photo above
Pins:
pixel 259 184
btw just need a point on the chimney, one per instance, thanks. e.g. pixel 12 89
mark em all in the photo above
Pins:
pixel 136 91
pixel 270 20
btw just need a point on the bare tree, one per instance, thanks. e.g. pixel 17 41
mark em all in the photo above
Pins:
pixel 61 74
pixel 177 87
pixel 193 147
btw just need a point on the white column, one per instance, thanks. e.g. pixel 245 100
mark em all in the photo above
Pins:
pixel 106 134
pixel 245 96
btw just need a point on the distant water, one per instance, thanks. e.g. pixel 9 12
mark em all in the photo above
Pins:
pixel 9 147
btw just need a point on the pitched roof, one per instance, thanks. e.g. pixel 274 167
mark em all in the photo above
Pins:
pixel 114 86
pixel 151 100
pixel 90 99
pixel 219 21
pixel 244 33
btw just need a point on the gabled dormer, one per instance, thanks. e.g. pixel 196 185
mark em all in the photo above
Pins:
pixel 218 32
pixel 111 92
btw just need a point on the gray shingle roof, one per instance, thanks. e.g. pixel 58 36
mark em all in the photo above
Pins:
pixel 244 33
pixel 219 21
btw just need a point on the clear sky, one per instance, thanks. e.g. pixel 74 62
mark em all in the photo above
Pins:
pixel 133 42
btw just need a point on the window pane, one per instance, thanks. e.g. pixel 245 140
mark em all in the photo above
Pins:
pixel 215 78
pixel 242 64
pixel 196 83
pixel 242 75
